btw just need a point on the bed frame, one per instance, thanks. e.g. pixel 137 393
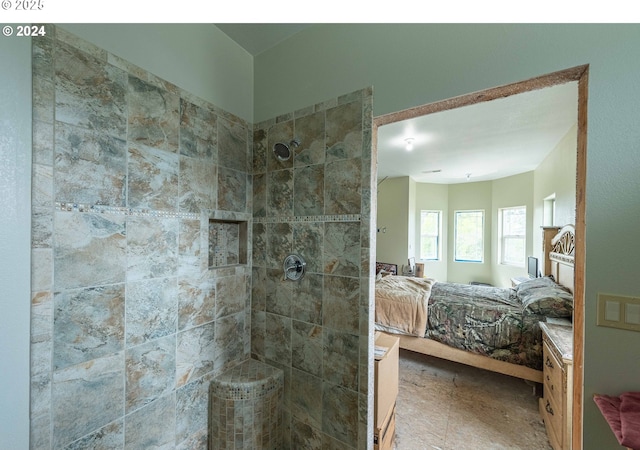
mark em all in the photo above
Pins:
pixel 561 263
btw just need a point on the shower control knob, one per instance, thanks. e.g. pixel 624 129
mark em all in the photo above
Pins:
pixel 293 267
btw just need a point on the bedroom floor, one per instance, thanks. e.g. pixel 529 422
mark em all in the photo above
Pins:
pixel 444 405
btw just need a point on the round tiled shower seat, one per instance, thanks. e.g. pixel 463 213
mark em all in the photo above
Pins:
pixel 245 407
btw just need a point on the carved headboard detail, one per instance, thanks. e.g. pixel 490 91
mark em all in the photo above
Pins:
pixel 564 243
pixel 562 256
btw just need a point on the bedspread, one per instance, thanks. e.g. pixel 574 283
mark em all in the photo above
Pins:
pixel 501 323
pixel 487 321
pixel 402 302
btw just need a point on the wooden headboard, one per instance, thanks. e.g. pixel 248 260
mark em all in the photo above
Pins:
pixel 562 255
pixel 387 267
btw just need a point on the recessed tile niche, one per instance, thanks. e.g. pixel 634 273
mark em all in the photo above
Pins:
pixel 227 243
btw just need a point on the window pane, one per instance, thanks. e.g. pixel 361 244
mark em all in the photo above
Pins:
pixel 429 248
pixel 429 235
pixel 513 251
pixel 469 236
pixel 513 221
pixel 429 222
pixel 513 235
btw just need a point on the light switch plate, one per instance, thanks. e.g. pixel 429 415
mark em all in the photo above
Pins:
pixel 632 314
pixel 618 311
pixel 612 311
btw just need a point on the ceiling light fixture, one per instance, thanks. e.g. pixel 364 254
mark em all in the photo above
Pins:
pixel 409 145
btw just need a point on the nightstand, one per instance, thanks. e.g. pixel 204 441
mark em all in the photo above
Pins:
pixel 556 403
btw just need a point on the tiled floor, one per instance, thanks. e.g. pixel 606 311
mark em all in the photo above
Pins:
pixel 448 406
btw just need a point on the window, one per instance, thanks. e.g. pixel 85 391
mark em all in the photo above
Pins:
pixel 430 230
pixel 549 210
pixel 512 231
pixel 469 236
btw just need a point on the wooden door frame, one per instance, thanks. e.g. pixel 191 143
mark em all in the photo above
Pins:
pixel 581 75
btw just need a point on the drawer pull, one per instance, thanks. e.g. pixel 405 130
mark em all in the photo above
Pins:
pixel 548 408
pixel 548 363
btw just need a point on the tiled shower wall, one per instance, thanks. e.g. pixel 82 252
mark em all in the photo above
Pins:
pixel 316 204
pixel 129 323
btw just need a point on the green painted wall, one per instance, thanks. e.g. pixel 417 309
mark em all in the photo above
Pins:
pixel 409 65
pixel 15 240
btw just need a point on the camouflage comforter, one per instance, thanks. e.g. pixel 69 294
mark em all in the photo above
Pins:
pixel 484 320
pixel 501 323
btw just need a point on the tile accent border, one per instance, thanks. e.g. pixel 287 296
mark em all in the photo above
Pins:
pixel 248 380
pixel 122 210
pixel 296 219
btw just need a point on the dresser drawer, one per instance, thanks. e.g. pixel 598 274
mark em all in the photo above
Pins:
pixel 553 415
pixel 552 433
pixel 555 405
pixel 553 375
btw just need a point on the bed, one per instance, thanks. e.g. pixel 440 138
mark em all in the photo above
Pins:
pixel 487 327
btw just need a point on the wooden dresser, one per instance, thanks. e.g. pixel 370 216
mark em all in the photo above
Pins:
pixel 556 403
pixel 386 367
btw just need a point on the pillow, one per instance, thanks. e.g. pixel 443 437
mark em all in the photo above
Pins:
pixel 536 283
pixel 545 297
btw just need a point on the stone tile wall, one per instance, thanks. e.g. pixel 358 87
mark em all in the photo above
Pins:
pixel 316 204
pixel 129 323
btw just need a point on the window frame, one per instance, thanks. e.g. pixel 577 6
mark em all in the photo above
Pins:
pixel 503 237
pixel 455 238
pixel 438 235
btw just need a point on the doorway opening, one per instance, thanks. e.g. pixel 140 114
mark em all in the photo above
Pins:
pixel 577 74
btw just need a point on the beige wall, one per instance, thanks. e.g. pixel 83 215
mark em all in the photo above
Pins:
pixel 553 177
pixel 508 192
pixel 517 190
pixel 466 196
pixel 412 250
pixel 393 216
pixel 431 196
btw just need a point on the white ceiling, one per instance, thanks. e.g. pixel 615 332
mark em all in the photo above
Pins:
pixel 487 140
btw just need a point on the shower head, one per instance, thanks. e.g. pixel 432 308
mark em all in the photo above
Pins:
pixel 282 150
